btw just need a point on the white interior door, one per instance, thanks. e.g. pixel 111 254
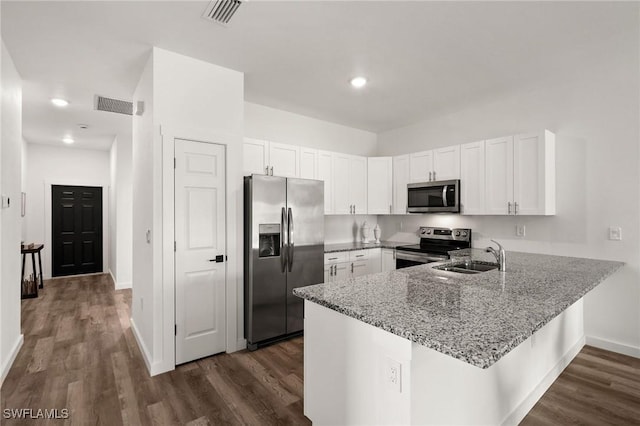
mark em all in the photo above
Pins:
pixel 200 237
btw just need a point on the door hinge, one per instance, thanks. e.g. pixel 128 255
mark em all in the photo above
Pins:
pixel 175 246
pixel 175 329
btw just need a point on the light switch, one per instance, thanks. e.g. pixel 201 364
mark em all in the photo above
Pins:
pixel 615 233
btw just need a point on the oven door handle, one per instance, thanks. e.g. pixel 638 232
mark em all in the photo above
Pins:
pixel 402 255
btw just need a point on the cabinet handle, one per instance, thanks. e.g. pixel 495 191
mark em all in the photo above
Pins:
pixel 429 176
pixel 509 207
pixel 352 268
pixel 390 209
pixel 266 170
pixel 434 175
pixel 515 208
pixel 394 254
pixel 359 255
pixel 354 209
pixel 332 258
pixel 271 170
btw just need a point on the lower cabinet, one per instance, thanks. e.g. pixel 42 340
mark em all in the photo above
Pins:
pixel 351 264
pixel 388 262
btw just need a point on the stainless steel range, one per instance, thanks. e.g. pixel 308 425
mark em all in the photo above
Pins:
pixel 435 243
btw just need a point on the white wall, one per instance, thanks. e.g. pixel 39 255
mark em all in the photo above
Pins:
pixel 10 222
pixel 595 117
pixel 187 98
pixel 262 122
pixel 61 165
pixel 120 212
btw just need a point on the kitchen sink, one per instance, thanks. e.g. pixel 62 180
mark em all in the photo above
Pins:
pixel 470 267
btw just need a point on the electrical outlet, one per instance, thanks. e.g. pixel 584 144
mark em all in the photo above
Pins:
pixel 615 233
pixel 520 230
pixel 393 375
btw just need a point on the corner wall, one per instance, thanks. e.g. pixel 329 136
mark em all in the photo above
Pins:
pixel 595 116
pixel 10 222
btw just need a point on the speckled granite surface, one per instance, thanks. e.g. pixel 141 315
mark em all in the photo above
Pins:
pixel 475 318
pixel 332 248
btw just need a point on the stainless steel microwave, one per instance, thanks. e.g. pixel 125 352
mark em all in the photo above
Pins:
pixel 434 197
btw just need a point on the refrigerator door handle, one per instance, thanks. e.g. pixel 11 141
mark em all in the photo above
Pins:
pixel 290 232
pixel 283 245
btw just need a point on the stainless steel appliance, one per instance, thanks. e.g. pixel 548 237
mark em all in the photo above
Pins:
pixel 284 249
pixel 434 245
pixel 434 197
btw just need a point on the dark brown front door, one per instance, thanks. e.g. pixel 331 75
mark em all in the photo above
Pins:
pixel 77 229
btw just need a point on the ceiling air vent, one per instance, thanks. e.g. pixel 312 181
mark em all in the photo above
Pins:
pixel 221 11
pixel 113 105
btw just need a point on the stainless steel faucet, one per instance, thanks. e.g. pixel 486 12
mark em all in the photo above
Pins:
pixel 500 255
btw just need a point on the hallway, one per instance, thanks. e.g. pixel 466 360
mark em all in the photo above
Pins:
pixel 79 353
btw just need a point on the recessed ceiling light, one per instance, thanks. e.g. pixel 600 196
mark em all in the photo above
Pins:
pixel 60 102
pixel 68 140
pixel 358 82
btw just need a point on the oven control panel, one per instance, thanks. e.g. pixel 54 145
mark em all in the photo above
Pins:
pixel 456 234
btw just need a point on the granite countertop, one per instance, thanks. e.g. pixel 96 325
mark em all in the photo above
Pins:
pixel 333 248
pixel 475 318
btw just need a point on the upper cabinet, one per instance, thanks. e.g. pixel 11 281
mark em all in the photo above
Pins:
pixel 255 156
pixel 284 160
pixel 349 176
pixel 358 184
pixel 380 185
pixel 400 181
pixel 520 175
pixel 270 158
pixel 309 163
pixel 472 178
pixel 324 167
pixel 437 164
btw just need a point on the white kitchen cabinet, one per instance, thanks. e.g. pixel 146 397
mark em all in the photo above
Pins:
pixel 379 185
pixel 284 160
pixel 446 163
pixel 520 174
pixel 374 261
pixel 255 155
pixel 436 164
pixel 357 184
pixel 472 178
pixel 308 163
pixel 400 181
pixel 388 261
pixel 340 174
pixel 421 166
pixel 325 174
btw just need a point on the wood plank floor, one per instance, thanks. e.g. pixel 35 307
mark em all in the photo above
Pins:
pixel 79 353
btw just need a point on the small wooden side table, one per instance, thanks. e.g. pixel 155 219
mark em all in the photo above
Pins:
pixel 36 249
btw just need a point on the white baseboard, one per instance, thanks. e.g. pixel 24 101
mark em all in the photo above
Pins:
pixel 614 346
pixel 119 285
pixel 146 356
pixel 527 404
pixel 241 344
pixel 6 366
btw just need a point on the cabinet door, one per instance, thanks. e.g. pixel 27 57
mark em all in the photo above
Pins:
pixel 327 273
pixel 498 175
pixel 340 175
pixel 359 268
pixel 374 262
pixel 343 271
pixel 400 181
pixel 255 156
pixel 420 166
pixel 308 163
pixel 358 184
pixel 388 260
pixel 325 174
pixel 446 163
pixel 534 173
pixel 472 185
pixel 285 159
pixel 379 185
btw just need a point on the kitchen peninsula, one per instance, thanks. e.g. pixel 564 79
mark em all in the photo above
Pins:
pixel 425 346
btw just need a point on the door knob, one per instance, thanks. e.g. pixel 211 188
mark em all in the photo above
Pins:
pixel 218 259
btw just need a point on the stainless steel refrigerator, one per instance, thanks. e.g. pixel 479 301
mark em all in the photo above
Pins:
pixel 284 249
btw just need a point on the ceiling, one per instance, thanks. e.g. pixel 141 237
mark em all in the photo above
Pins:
pixel 421 58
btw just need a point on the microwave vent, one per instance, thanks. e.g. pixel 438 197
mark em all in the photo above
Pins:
pixel 221 11
pixel 113 105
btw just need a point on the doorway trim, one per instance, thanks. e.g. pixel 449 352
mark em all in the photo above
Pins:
pixel 234 273
pixel 47 253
